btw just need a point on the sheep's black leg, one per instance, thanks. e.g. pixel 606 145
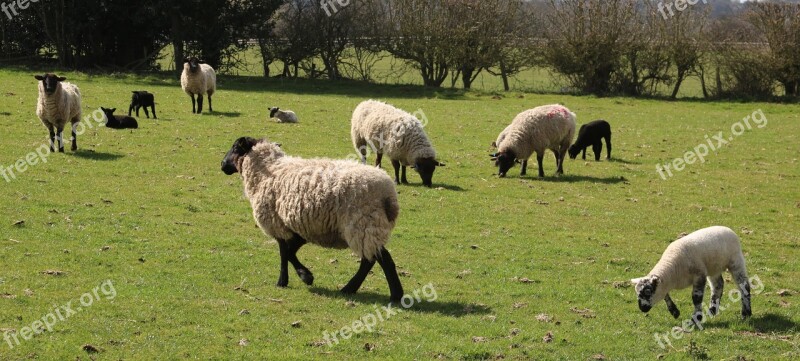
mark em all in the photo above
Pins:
pixel 283 278
pixel 559 162
pixel 608 146
pixel 524 168
pixel 153 108
pixel 193 104
pixel 378 160
pixel 390 270
pixel 52 138
pixel 403 176
pixel 584 153
pixel 697 299
pixel 358 279
pixel 539 159
pixel 671 307
pixel 396 165
pixel 740 277
pixel 146 113
pixel 74 137
pixel 293 245
pixel 130 110
pixel 199 103
pixel 60 137
pixel 717 284
pixel 210 108
pixel 597 148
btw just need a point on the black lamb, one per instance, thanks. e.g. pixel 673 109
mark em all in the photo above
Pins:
pixel 142 98
pixel 592 133
pixel 119 121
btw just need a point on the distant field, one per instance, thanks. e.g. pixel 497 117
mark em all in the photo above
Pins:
pixel 522 268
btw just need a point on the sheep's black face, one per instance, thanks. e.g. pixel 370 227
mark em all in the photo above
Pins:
pixel 573 151
pixel 645 291
pixel 504 161
pixel 194 64
pixel 272 112
pixel 425 167
pixel 50 82
pixel 232 160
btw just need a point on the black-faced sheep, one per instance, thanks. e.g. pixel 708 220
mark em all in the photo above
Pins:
pixel 283 116
pixel 331 203
pixel 198 78
pixel 694 260
pixel 142 99
pixel 535 130
pixel 119 121
pixel 59 102
pixel 592 133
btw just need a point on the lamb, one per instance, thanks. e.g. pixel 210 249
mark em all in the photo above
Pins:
pixel 119 121
pixel 59 102
pixel 141 98
pixel 331 203
pixel 592 133
pixel 198 78
pixel 689 261
pixel 399 134
pixel 283 116
pixel 535 130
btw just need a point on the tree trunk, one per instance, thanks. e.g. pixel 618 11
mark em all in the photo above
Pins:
pixel 504 75
pixel 466 76
pixel 177 43
pixel 678 81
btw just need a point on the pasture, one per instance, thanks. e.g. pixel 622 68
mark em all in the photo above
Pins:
pixel 522 268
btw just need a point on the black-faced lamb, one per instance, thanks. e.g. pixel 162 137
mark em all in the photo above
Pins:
pixel 119 121
pixel 59 102
pixel 535 130
pixel 331 203
pixel 694 260
pixel 142 99
pixel 283 116
pixel 396 133
pixel 592 133
pixel 198 78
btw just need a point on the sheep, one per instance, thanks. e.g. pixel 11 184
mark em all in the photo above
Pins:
pixel 59 102
pixel 119 121
pixel 141 98
pixel 198 78
pixel 535 130
pixel 283 116
pixel 592 133
pixel 399 134
pixel 331 203
pixel 693 260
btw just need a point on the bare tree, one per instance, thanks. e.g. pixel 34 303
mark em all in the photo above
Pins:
pixel 778 23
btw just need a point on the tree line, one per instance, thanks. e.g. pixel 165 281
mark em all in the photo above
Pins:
pixel 599 47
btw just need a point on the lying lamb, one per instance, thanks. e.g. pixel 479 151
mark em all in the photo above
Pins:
pixel 283 116
pixel 331 203
pixel 119 121
pixel 690 261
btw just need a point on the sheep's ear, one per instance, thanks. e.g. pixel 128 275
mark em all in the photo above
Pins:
pixel 440 164
pixel 494 144
pixel 279 145
pixel 38 77
pixel 113 110
pixel 61 78
pixel 185 60
pixel 635 281
pixel 493 155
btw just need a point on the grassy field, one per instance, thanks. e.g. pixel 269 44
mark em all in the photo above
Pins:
pixel 522 268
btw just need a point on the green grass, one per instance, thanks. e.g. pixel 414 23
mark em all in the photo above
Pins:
pixel 151 211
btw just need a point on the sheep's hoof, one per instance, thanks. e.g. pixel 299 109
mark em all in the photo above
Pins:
pixel 306 276
pixel 405 181
pixel 74 148
pixel 282 283
pixel 61 150
pixel 713 310
pixel 675 313
pixel 348 290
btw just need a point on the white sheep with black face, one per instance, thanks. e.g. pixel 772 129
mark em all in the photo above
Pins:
pixel 694 260
pixel 59 102
pixel 198 79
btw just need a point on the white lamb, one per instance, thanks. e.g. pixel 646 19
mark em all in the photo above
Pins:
pixel 398 134
pixel 58 103
pixel 283 116
pixel 690 261
pixel 535 130
pixel 334 204
pixel 198 78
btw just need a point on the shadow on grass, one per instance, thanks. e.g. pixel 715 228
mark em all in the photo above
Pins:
pixel 5 114
pixel 623 161
pixel 92 155
pixel 571 178
pixel 448 187
pixel 226 114
pixel 453 309
pixel 768 323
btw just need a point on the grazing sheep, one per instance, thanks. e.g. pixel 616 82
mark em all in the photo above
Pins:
pixel 399 134
pixel 119 121
pixel 690 261
pixel 59 102
pixel 142 98
pixel 198 78
pixel 283 116
pixel 331 203
pixel 535 130
pixel 592 133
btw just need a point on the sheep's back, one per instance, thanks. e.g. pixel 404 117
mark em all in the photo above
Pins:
pixel 711 250
pixel 399 134
pixel 537 129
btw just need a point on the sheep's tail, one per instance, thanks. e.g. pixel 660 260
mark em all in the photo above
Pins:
pixel 392 208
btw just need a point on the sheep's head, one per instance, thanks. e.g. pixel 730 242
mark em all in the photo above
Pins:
pixel 425 167
pixel 50 82
pixel 648 292
pixel 232 163
pixel 573 151
pixel 194 63
pixel 272 111
pixel 504 161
